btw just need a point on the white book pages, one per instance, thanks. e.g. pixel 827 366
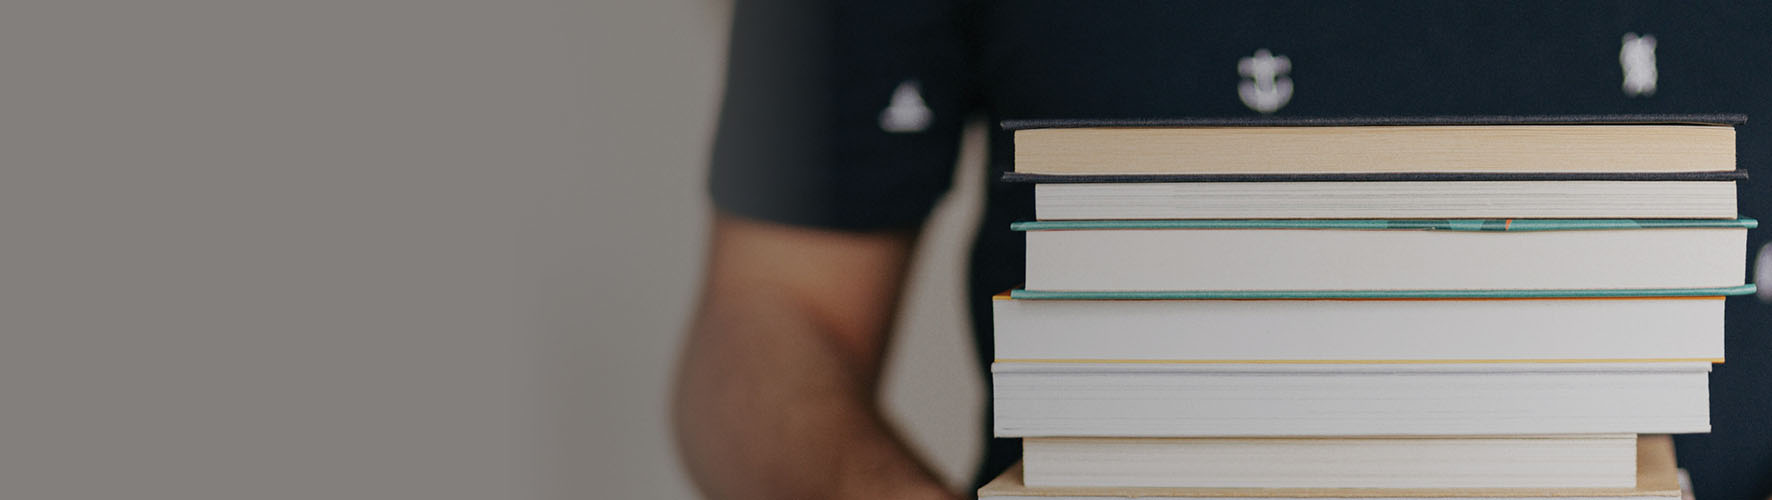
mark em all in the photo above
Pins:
pixel 1379 200
pixel 1201 400
pixel 1567 461
pixel 1683 328
pixel 1324 259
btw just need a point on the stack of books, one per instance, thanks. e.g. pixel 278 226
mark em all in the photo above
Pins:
pixel 1464 307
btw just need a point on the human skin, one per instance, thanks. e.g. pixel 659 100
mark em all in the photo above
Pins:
pixel 777 390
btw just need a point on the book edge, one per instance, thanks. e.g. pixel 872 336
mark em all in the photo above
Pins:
pixel 1462 225
pixel 1717 176
pixel 1696 119
pixel 1025 294
pixel 1656 477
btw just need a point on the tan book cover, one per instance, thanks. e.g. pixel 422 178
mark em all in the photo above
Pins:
pixel 1375 149
pixel 1657 477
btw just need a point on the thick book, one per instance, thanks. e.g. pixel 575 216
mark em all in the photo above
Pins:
pixel 1642 329
pixel 1514 254
pixel 1713 198
pixel 1561 461
pixel 1130 399
pixel 1656 478
pixel 1536 144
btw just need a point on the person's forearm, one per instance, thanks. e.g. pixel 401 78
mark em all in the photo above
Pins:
pixel 769 408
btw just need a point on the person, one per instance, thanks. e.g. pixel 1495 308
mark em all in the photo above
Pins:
pixel 840 127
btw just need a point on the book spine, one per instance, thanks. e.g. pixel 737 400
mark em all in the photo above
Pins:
pixel 1720 176
pixel 1490 225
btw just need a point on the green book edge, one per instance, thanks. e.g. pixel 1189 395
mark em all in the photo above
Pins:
pixel 1499 225
pixel 1381 294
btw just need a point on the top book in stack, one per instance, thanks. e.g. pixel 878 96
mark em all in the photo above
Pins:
pixel 1614 166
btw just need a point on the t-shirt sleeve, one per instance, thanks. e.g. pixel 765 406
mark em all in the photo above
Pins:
pixel 840 115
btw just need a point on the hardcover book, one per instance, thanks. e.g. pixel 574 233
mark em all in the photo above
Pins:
pixel 1159 399
pixel 1352 330
pixel 1446 144
pixel 1707 195
pixel 1525 254
pixel 1656 478
pixel 1562 461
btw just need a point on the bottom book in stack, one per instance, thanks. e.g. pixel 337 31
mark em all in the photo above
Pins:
pixel 1564 461
pixel 1655 477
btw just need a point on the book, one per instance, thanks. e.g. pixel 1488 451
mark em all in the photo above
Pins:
pixel 1344 330
pixel 1502 199
pixel 1365 307
pixel 1657 478
pixel 1542 144
pixel 1524 254
pixel 1331 399
pixel 1565 461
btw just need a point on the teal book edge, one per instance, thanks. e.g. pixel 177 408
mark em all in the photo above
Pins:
pixel 1497 225
pixel 1382 294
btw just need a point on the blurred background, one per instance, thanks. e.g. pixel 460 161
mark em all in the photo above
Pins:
pixel 439 249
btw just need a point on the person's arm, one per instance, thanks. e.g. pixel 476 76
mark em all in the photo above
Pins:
pixel 777 389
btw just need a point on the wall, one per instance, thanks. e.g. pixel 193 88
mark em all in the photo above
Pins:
pixel 374 249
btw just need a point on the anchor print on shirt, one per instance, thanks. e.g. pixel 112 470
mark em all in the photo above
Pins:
pixel 907 113
pixel 1637 56
pixel 1266 88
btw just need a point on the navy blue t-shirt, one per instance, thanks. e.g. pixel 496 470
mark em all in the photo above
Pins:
pixel 848 115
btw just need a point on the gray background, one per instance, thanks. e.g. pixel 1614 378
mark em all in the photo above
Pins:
pixel 437 249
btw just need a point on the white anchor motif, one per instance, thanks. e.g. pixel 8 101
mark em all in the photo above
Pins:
pixel 1267 88
pixel 1638 58
pixel 907 113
